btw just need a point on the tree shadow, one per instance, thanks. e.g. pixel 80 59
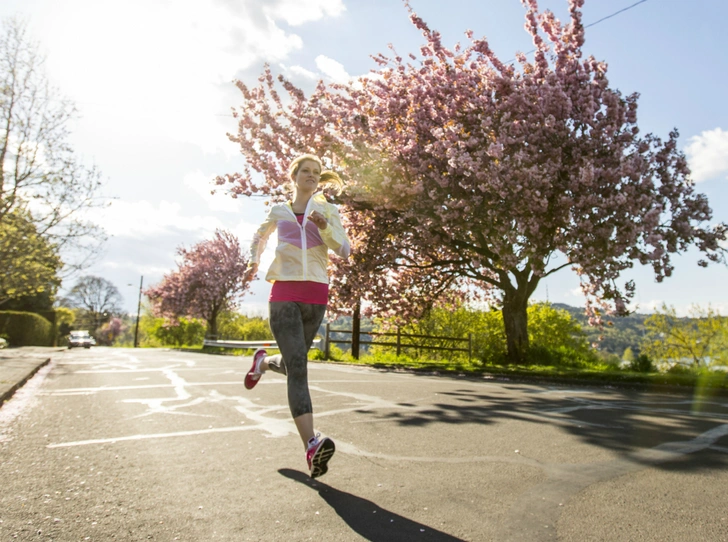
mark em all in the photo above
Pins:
pixel 625 421
pixel 368 519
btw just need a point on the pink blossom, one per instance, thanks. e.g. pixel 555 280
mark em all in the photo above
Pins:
pixel 552 153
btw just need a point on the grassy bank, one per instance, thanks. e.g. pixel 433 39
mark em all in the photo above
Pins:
pixel 697 381
pixel 599 375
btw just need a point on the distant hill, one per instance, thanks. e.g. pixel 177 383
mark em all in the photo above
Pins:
pixel 624 331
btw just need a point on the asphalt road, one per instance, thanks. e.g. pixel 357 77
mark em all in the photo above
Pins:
pixel 121 444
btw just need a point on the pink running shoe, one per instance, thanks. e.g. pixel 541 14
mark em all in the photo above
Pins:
pixel 320 451
pixel 251 379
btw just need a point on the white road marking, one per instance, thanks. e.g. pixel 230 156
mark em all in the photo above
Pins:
pixel 151 436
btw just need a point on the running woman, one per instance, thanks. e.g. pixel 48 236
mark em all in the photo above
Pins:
pixel 308 226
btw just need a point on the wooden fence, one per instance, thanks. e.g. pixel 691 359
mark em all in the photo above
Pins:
pixel 248 345
pixel 401 342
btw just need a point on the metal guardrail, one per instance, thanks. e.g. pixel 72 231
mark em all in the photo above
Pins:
pixel 251 344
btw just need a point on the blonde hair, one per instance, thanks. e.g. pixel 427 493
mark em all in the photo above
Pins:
pixel 327 177
pixel 296 164
pixel 332 178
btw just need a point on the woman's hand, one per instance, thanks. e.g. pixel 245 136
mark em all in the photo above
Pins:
pixel 250 272
pixel 318 219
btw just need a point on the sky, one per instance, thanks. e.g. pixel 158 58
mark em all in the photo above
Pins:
pixel 153 83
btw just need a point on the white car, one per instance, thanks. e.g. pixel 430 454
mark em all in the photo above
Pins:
pixel 81 338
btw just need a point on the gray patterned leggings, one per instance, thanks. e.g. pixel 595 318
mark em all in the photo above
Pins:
pixel 294 326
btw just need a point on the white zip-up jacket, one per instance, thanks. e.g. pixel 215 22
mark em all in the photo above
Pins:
pixel 302 251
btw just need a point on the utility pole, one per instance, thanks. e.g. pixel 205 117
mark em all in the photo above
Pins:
pixel 139 306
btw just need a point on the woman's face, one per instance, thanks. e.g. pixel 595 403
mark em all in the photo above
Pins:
pixel 307 178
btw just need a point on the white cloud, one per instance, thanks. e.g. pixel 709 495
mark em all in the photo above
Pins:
pixel 150 66
pixel 332 69
pixel 707 155
pixel 301 72
pixel 201 184
pixel 576 292
pixel 297 12
pixel 144 220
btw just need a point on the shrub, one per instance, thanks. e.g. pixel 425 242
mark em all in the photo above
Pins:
pixel 391 358
pixel 335 353
pixel 235 326
pixel 679 369
pixel 26 329
pixel 608 358
pixel 562 356
pixel 555 337
pixel 456 322
pixel 186 332
pixel 641 364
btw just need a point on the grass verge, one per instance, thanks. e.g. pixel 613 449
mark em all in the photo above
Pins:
pixel 598 375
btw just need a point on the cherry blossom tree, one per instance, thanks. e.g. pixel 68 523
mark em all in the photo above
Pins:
pixel 208 281
pixel 463 169
pixel 110 331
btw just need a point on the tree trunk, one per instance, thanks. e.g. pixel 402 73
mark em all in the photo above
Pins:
pixel 515 318
pixel 212 326
pixel 355 328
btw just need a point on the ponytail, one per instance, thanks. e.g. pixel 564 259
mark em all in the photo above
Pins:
pixel 332 178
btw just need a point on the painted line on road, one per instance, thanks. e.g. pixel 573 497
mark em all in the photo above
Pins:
pixel 152 370
pixel 90 391
pixel 151 436
pixel 280 381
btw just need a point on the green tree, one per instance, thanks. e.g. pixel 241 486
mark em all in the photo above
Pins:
pixel 553 328
pixel 182 332
pixel 456 321
pixel 96 298
pixel 37 162
pixel 556 338
pixel 554 335
pixel 235 326
pixel 29 263
pixel 701 337
pixel 65 318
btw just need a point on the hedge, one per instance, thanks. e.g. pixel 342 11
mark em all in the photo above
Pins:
pixel 26 329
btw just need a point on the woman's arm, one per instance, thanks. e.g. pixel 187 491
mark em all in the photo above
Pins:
pixel 333 234
pixel 259 242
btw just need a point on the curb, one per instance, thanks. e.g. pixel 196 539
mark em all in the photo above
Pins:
pixel 7 394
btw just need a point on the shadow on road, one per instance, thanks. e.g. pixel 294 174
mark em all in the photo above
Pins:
pixel 623 421
pixel 367 519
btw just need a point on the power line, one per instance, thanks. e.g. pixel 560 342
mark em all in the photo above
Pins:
pixel 615 13
pixel 592 24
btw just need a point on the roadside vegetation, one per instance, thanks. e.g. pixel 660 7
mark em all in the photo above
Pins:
pixel 562 348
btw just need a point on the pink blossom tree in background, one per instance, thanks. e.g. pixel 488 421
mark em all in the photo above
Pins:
pixel 463 169
pixel 110 331
pixel 208 281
